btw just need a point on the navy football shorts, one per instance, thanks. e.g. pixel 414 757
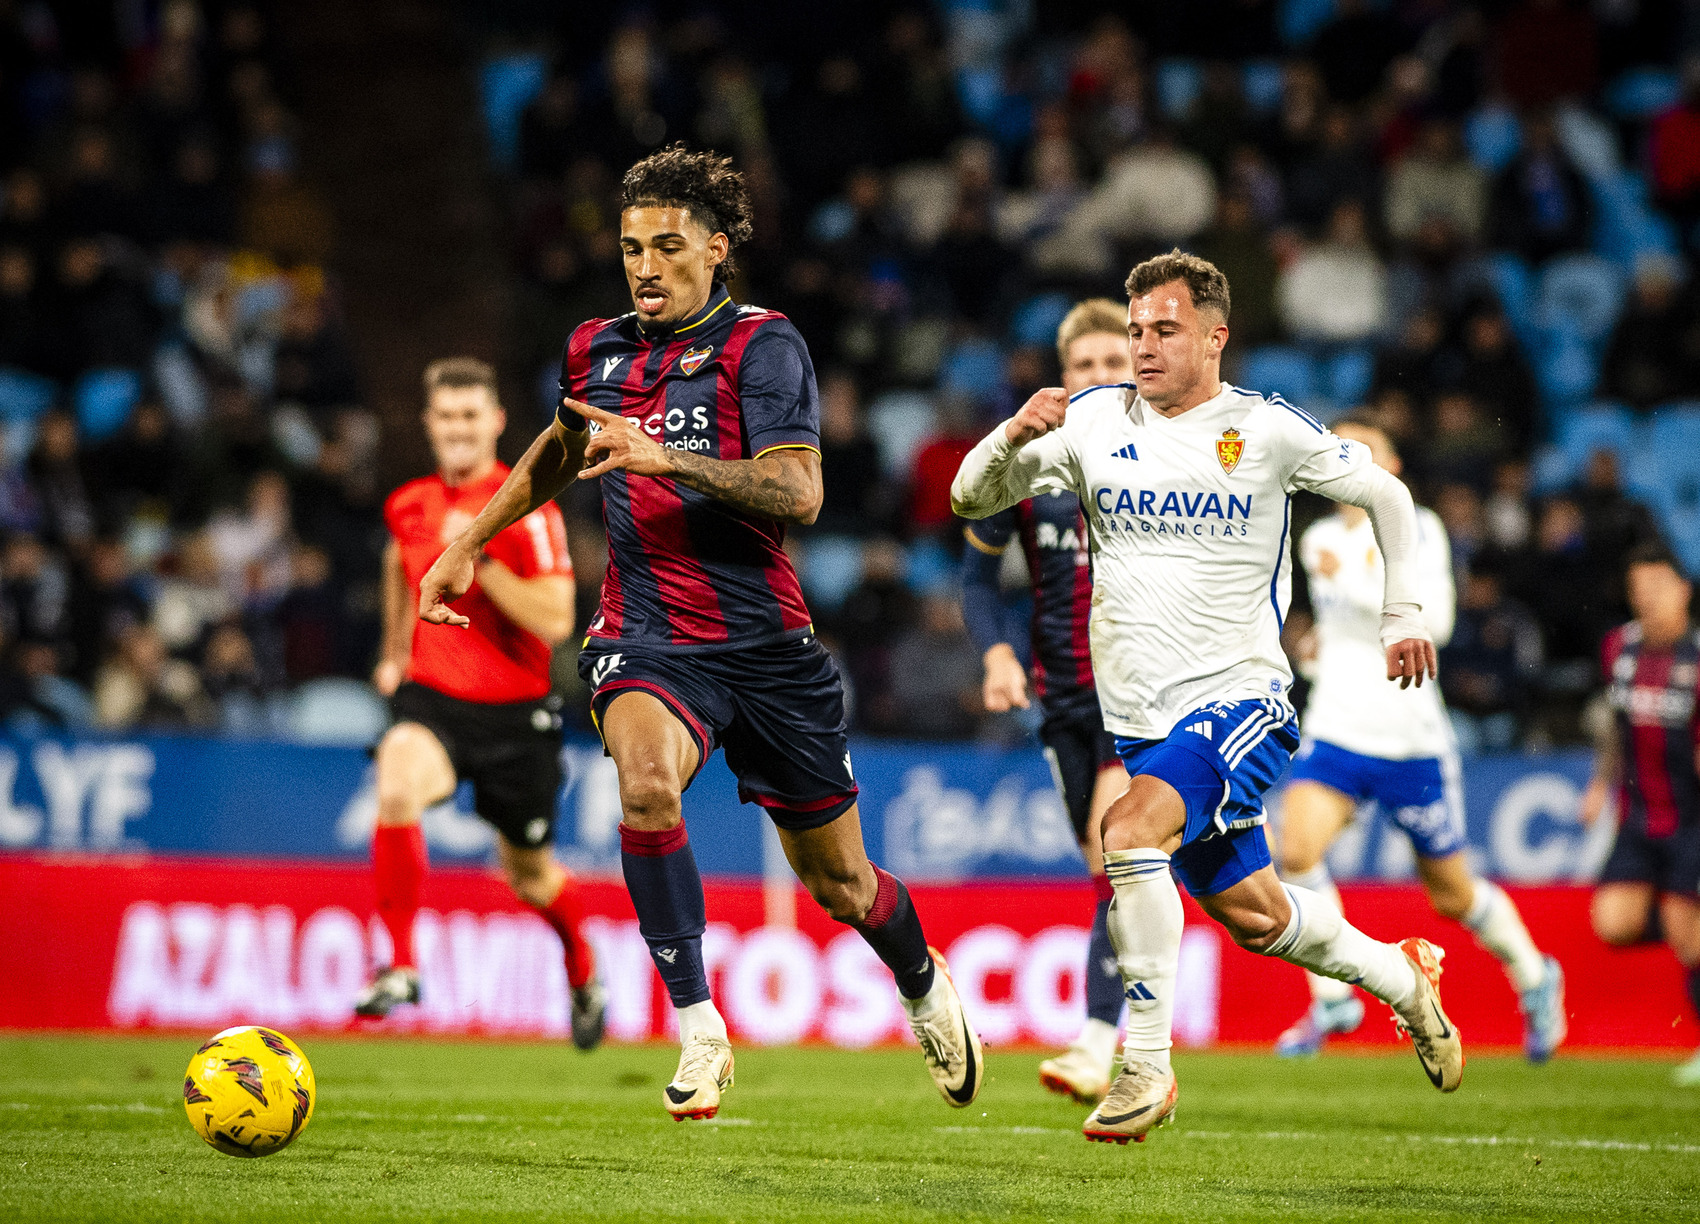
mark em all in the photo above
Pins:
pixel 1078 749
pixel 1221 758
pixel 1670 864
pixel 777 709
pixel 1421 796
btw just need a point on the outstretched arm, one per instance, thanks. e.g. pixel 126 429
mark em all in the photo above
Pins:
pixel 1015 459
pixel 783 485
pixel 1410 651
pixel 542 472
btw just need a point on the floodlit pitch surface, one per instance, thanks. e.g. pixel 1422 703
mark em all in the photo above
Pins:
pixel 93 1129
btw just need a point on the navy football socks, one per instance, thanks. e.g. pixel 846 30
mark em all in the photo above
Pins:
pixel 666 890
pixel 893 931
pixel 1103 975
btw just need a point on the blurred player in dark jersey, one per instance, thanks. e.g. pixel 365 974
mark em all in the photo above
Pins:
pixel 473 705
pixel 1651 761
pixel 704 431
pixel 1092 347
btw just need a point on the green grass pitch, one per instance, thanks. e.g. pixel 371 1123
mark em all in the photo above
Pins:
pixel 93 1129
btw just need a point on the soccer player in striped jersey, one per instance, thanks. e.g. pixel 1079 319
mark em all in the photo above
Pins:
pixel 1187 484
pixel 1093 351
pixel 473 706
pixel 703 428
pixel 1365 741
pixel 1650 760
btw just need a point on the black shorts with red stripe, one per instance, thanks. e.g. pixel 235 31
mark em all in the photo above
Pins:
pixel 776 708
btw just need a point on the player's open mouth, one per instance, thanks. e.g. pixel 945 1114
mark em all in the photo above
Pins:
pixel 651 299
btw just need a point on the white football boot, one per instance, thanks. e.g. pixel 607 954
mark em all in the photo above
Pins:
pixel 949 1043
pixel 388 989
pixel 1435 1038
pixel 705 1071
pixel 1077 1073
pixel 1141 1099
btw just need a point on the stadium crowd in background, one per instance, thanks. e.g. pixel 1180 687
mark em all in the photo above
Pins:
pixel 1475 221
pixel 187 488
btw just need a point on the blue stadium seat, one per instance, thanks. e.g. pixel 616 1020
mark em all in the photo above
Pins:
pixel 1514 285
pixel 24 396
pixel 1567 368
pixel 1035 322
pixel 1492 135
pixel 1278 369
pixel 832 566
pixel 1600 426
pixel 1299 21
pixel 506 87
pixel 1263 82
pixel 1179 82
pixel 337 710
pixel 1579 293
pixel 104 400
pixel 1643 92
pixel 1626 225
pixel 973 369
pixel 1346 376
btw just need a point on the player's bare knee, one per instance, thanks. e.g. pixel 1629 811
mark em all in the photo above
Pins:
pixel 842 899
pixel 649 797
pixel 1139 820
pixel 1451 903
pixel 1253 931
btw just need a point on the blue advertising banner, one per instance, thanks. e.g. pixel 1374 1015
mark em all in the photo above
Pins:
pixel 929 812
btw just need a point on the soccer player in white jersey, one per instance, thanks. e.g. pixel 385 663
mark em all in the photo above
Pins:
pixel 1186 483
pixel 1366 741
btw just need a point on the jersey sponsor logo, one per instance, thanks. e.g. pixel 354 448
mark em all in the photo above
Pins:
pixel 609 365
pixel 692 361
pixel 1153 514
pixel 1126 452
pixel 1229 447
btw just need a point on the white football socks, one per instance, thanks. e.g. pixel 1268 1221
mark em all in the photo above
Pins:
pixel 703 1018
pixel 1099 1041
pixel 1145 922
pixel 927 1004
pixel 1498 927
pixel 1318 881
pixel 1320 940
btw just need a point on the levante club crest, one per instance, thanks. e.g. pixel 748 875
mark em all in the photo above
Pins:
pixel 1229 447
pixel 692 360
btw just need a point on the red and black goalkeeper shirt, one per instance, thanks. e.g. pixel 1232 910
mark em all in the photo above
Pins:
pixel 686 571
pixel 1652 696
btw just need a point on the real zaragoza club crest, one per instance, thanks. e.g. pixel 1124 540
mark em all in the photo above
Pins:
pixel 1229 447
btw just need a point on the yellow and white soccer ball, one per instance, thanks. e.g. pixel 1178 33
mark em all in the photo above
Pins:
pixel 249 1091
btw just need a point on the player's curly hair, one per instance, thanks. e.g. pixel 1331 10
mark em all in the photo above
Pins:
pixel 1203 279
pixel 704 185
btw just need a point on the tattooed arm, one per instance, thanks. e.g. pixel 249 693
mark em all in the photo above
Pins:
pixel 784 485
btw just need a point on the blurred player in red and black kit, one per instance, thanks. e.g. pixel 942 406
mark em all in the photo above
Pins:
pixel 1093 349
pixel 473 705
pixel 706 440
pixel 1651 759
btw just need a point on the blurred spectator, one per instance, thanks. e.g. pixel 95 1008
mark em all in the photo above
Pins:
pixel 309 616
pixel 1355 48
pixel 58 473
pixel 912 84
pixel 1548 51
pixel 1506 513
pixel 105 600
pixel 192 598
pixel 1654 352
pixel 1417 359
pixel 1464 445
pixel 141 687
pixel 193 204
pixel 143 468
pixel 313 364
pixel 231 676
pixel 1673 154
pixel 252 545
pixel 23 338
pixel 850 462
pixel 1338 169
pixel 1336 291
pixel 281 216
pixel 35 591
pixel 935 676
pixel 1460 509
pixel 935 466
pixel 95 314
pixel 878 608
pixel 1613 524
pixel 1497 377
pixel 1563 583
pixel 1435 180
pixel 551 133
pixel 1490 666
pixel 1541 205
pixel 1236 245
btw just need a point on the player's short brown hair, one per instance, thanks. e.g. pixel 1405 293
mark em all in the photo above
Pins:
pixel 458 372
pixel 1089 318
pixel 1203 279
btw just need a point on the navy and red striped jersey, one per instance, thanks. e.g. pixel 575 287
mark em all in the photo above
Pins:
pixel 1652 694
pixel 1053 537
pixel 686 571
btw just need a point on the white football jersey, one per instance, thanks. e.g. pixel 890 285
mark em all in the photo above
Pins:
pixel 1352 703
pixel 1189 519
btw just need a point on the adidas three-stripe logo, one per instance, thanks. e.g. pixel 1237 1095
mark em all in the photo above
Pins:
pixel 1201 728
pixel 1141 992
pixel 1126 452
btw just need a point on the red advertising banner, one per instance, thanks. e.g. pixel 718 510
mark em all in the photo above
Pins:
pixel 200 945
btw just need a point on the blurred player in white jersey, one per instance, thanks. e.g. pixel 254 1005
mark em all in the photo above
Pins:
pixel 1365 740
pixel 1187 484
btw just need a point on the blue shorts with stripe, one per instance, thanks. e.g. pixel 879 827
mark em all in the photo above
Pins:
pixel 1220 758
pixel 1422 796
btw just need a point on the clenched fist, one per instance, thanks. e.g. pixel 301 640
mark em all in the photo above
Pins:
pixel 1045 411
